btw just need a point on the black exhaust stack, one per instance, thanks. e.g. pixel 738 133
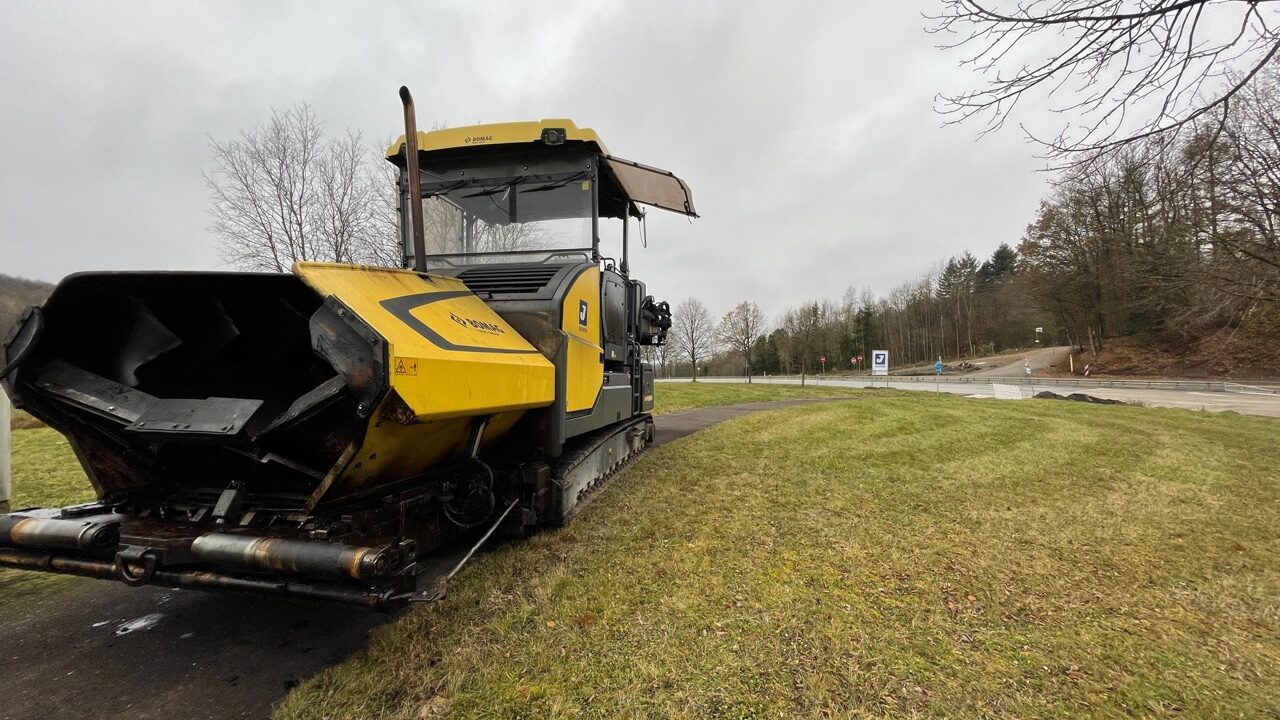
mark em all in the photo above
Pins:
pixel 415 180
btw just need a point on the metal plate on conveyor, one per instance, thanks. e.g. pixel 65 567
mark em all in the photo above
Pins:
pixel 97 393
pixel 213 416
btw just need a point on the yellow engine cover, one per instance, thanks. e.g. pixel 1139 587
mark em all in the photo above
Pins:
pixel 450 354
pixel 584 372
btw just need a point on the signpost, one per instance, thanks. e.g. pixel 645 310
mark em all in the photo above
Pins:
pixel 824 364
pixel 937 376
pixel 879 365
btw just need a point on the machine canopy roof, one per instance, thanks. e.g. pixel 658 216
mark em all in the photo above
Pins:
pixel 632 182
pixel 651 186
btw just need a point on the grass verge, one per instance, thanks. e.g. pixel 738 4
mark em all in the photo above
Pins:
pixel 677 396
pixel 22 420
pixel 45 471
pixel 913 556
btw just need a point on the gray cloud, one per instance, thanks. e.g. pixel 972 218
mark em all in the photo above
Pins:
pixel 806 133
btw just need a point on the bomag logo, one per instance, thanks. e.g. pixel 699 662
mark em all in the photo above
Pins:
pixel 478 139
pixel 480 325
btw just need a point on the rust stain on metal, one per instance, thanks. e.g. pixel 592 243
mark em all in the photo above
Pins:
pixel 330 477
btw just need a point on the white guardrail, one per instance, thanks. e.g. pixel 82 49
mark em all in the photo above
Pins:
pixel 1252 389
pixel 861 380
pixel 1002 391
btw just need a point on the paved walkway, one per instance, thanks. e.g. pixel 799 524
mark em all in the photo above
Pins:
pixel 676 425
pixel 193 654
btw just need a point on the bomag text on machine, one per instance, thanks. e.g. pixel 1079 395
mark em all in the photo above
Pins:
pixel 349 432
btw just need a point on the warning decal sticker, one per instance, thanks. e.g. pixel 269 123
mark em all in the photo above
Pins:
pixel 406 366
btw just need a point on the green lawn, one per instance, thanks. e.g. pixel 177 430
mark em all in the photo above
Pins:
pixel 45 473
pixel 676 396
pixel 903 555
pixel 21 420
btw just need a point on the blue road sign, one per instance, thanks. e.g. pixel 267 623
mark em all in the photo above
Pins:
pixel 937 367
pixel 879 362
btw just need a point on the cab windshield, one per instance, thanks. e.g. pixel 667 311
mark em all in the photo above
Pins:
pixel 503 215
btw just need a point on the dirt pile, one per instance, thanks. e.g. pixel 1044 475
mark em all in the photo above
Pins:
pixel 1077 397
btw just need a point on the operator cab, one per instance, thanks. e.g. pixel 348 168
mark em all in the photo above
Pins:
pixel 517 211
pixel 541 190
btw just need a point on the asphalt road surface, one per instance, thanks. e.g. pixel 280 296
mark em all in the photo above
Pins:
pixel 100 649
pixel 1014 364
pixel 1004 365
pixel 1243 403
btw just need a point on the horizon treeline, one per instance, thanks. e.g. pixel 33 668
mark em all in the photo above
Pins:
pixel 961 308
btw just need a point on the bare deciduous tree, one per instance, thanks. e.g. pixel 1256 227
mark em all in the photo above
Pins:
pixel 662 358
pixel 446 223
pixel 389 250
pixel 1132 69
pixel 510 237
pixel 282 193
pixel 809 327
pixel 692 332
pixel 739 329
pixel 348 205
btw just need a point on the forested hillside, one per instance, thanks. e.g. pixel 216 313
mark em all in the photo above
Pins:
pixel 16 294
pixel 1167 237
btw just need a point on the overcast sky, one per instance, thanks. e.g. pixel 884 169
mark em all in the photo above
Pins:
pixel 806 131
